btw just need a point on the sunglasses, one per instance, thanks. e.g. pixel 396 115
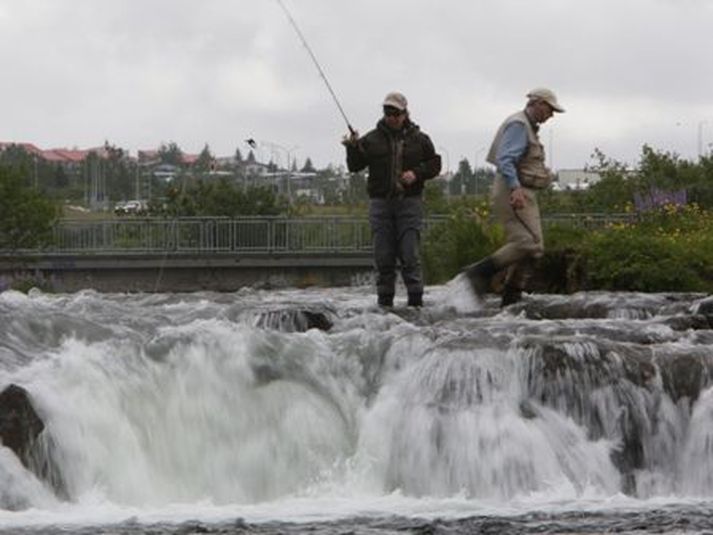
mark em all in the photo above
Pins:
pixel 390 111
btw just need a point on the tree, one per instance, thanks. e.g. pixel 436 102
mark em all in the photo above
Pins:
pixel 61 180
pixel 222 198
pixel 27 217
pixel 118 172
pixel 238 156
pixel 251 157
pixel 356 190
pixel 308 167
pixel 205 160
pixel 462 180
pixel 170 153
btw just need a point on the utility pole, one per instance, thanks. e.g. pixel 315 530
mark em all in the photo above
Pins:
pixel 700 138
pixel 138 187
pixel 288 155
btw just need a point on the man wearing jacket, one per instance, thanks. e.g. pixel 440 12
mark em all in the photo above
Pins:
pixel 400 158
pixel 519 158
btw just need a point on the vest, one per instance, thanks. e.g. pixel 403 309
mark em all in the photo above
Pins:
pixel 531 169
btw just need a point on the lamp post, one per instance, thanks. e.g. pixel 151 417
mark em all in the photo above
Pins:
pixel 700 138
pixel 288 156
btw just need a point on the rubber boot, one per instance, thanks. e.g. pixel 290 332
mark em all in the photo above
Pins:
pixel 385 300
pixel 480 274
pixel 415 299
pixel 510 296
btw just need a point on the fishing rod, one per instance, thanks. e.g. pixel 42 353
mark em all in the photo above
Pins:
pixel 316 64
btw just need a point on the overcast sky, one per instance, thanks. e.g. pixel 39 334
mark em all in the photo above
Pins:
pixel 141 72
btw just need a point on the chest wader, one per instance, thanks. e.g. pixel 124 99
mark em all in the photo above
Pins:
pixel 395 223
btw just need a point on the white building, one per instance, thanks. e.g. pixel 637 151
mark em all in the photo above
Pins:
pixel 576 179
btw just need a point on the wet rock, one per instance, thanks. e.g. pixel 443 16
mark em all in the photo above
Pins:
pixel 19 423
pixel 294 320
pixel 560 271
pixel 265 373
pixel 570 309
pixel 589 361
pixel 585 378
pixel 684 375
pixel 705 307
pixel 317 320
pixel 694 322
pixel 21 430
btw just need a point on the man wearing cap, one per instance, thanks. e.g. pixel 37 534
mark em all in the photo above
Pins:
pixel 519 158
pixel 400 158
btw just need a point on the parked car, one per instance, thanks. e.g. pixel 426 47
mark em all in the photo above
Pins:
pixel 133 207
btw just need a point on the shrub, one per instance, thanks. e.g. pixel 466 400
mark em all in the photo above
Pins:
pixel 26 217
pixel 668 250
pixel 465 237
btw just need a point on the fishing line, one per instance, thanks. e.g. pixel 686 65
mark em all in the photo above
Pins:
pixel 316 64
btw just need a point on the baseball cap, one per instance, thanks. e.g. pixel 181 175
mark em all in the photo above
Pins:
pixel 548 96
pixel 396 100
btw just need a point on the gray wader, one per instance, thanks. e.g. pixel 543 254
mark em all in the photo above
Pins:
pixel 396 229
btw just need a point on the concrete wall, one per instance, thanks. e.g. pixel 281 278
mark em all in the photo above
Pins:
pixel 183 273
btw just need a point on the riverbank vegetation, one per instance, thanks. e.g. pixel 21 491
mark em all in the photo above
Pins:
pixel 26 216
pixel 658 235
pixel 662 239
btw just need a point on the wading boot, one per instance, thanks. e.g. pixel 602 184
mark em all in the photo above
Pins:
pixel 415 299
pixel 479 276
pixel 385 300
pixel 510 296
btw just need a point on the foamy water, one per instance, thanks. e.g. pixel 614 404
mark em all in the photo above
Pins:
pixel 162 409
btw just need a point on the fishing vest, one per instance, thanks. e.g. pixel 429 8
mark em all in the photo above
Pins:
pixel 531 169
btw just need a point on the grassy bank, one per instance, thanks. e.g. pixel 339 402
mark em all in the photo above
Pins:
pixel 669 249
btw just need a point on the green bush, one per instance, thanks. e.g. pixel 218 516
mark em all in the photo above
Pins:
pixel 465 237
pixel 26 217
pixel 668 250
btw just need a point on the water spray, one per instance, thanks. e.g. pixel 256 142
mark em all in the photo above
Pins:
pixel 316 64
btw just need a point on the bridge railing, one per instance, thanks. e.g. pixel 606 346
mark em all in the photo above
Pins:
pixel 213 235
pixel 274 235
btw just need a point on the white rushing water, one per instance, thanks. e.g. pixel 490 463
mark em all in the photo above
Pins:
pixel 211 406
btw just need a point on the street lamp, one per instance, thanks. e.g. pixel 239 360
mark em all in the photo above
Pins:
pixel 288 155
pixel 700 138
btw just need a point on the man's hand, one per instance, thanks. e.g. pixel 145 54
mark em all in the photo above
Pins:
pixel 517 198
pixel 408 178
pixel 351 139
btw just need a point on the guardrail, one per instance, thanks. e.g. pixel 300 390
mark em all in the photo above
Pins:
pixel 589 220
pixel 275 235
pixel 213 235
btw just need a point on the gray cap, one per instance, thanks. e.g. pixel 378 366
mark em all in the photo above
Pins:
pixel 396 100
pixel 548 96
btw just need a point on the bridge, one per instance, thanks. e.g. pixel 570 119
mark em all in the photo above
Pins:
pixel 221 254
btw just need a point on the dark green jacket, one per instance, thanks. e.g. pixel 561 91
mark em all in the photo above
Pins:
pixel 378 150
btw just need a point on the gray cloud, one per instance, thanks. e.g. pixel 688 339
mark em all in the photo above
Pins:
pixel 140 72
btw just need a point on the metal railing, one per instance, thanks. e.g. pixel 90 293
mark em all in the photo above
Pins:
pixel 213 235
pixel 588 220
pixel 270 235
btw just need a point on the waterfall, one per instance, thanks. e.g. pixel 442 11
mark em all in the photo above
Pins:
pixel 156 400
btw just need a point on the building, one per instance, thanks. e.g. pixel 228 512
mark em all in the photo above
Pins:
pixel 576 179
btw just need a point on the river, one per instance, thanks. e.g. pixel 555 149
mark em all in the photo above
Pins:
pixel 226 413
